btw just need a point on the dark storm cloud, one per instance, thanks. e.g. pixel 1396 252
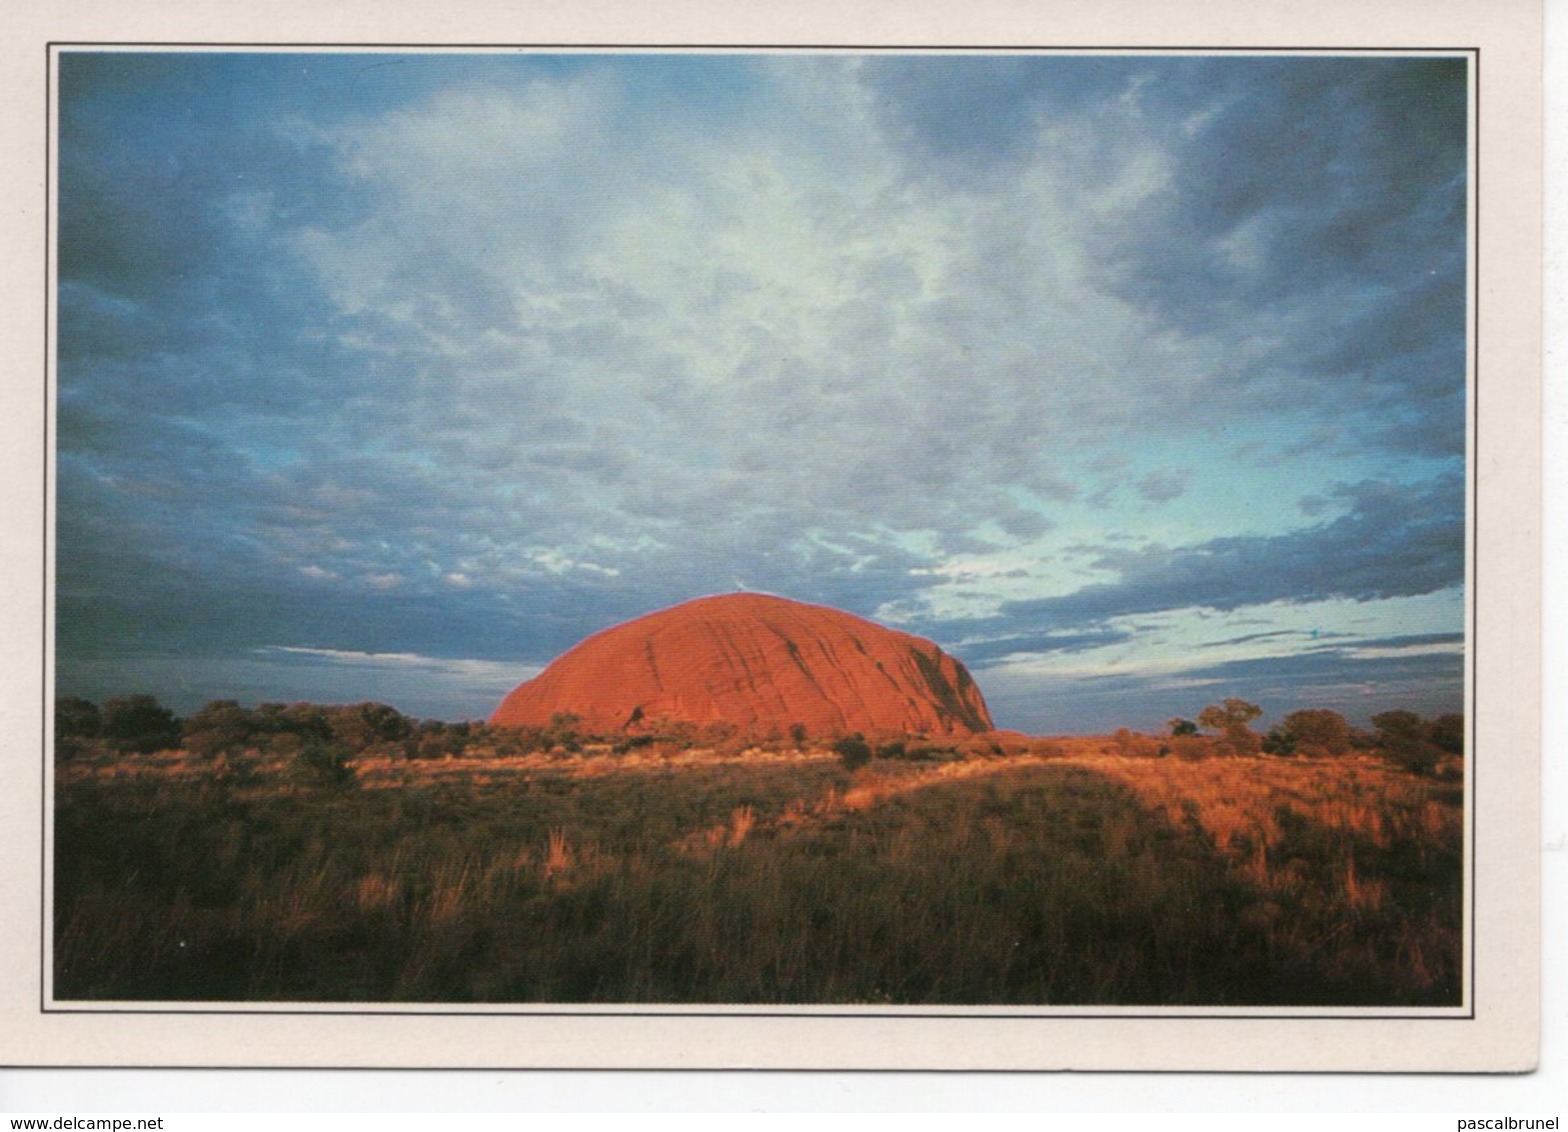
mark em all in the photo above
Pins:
pixel 1350 241
pixel 1344 164
pixel 986 109
pixel 1309 217
pixel 1380 196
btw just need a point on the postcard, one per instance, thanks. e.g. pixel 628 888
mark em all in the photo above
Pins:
pixel 995 539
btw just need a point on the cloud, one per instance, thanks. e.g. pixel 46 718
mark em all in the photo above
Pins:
pixel 471 356
pixel 1411 641
pixel 983 652
pixel 1103 699
pixel 1392 541
pixel 1164 485
pixel 1250 638
pixel 421 686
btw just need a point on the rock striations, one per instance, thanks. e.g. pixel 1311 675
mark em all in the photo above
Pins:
pixel 761 663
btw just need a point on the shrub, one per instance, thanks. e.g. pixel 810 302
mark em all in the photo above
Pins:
pixel 982 746
pixel 722 733
pixel 1192 747
pixel 76 718
pixel 1420 759
pixel 221 727
pixel 284 745
pixel 1318 732
pixel 1448 733
pixel 1131 744
pixel 1279 741
pixel 77 723
pixel 140 724
pixel 853 751
pixel 1404 739
pixel 362 726
pixel 431 739
pixel 937 752
pixel 563 731
pixel 322 764
pixel 1396 727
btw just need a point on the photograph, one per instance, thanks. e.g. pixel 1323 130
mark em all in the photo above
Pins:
pixel 816 532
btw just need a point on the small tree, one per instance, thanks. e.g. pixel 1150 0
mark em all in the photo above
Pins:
pixel 140 724
pixel 1318 732
pixel 1402 737
pixel 1398 727
pixel 1448 732
pixel 1182 727
pixel 1230 719
pixel 308 721
pixel 362 726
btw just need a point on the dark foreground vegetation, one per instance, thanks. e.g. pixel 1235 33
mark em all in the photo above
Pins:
pixel 301 853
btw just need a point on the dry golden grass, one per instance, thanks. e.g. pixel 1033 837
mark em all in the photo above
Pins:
pixel 1065 873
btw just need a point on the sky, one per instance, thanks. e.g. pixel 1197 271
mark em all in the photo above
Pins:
pixel 1135 382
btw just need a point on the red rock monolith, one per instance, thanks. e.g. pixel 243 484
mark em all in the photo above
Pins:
pixel 760 663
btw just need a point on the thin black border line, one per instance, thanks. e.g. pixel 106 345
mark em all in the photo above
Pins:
pixel 53 47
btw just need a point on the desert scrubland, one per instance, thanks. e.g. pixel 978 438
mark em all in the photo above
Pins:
pixel 470 864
